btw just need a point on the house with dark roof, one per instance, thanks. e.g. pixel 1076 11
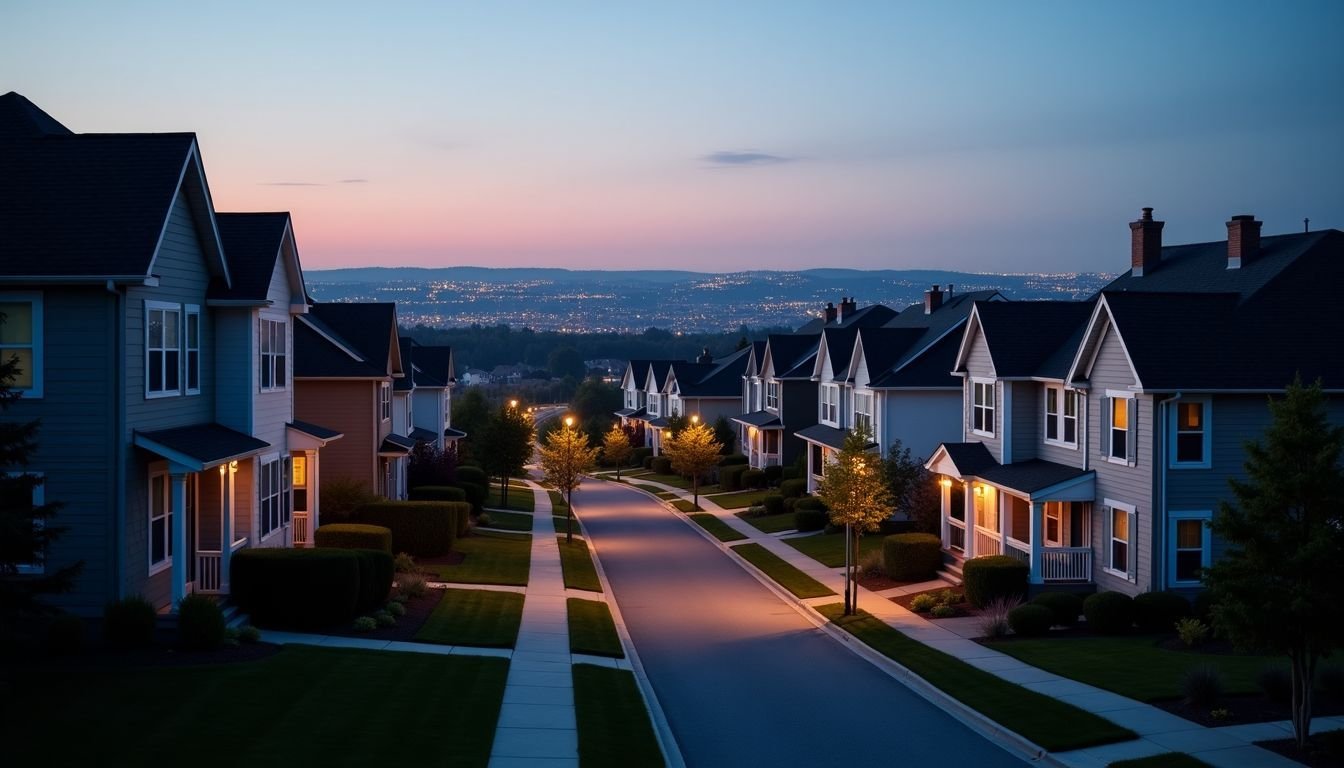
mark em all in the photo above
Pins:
pixel 347 356
pixel 647 408
pixel 428 410
pixel 1099 438
pixel 706 390
pixel 132 323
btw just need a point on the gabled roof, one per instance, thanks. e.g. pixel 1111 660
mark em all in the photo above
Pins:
pixel 1029 338
pixel 404 347
pixel 837 347
pixel 881 347
pixel 255 243
pixel 433 365
pixel 684 374
pixel 927 342
pixel 788 352
pixel 723 378
pixel 760 420
pixel 347 340
pixel 930 369
pixel 1202 267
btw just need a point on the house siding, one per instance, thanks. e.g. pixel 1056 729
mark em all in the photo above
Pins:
pixel 1026 418
pixel 1060 454
pixel 920 420
pixel 798 410
pixel 979 366
pixel 234 372
pixel 347 407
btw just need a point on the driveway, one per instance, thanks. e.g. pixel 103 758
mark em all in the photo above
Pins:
pixel 743 679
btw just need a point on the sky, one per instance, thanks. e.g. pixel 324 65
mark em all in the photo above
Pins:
pixel 719 136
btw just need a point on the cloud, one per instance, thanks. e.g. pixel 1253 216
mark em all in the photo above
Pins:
pixel 745 157
pixel 354 181
pixel 291 184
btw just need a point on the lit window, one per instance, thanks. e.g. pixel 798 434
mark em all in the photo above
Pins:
pixel 982 410
pixel 1120 437
pixel 1191 430
pixel 1120 552
pixel 1189 549
pixel 160 523
pixel 21 340
pixel 273 354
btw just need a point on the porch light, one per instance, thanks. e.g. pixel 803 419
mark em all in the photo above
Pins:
pixel 695 418
pixel 222 469
pixel 979 490
pixel 945 482
pixel 233 465
pixel 513 403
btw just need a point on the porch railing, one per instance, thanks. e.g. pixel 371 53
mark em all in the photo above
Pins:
pixel 1015 548
pixel 207 572
pixel 987 542
pixel 1066 564
pixel 956 534
pixel 300 529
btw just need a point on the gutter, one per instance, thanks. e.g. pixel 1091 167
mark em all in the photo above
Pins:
pixel 117 363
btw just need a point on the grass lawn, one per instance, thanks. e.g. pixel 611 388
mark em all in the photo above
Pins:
pixel 684 505
pixel 1051 723
pixel 577 563
pixel 614 726
pixel 474 617
pixel 489 558
pixel 788 577
pixel 559 521
pixel 1134 666
pixel 509 521
pixel 520 499
pixel 676 481
pixel 740 499
pixel 1164 760
pixel 591 629
pixel 829 548
pixel 770 523
pixel 655 490
pixel 442 710
pixel 717 527
pixel 558 504
pixel 666 495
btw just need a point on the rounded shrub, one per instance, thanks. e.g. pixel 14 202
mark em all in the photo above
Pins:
pixel 302 588
pixel 476 475
pixel 129 623
pixel 810 502
pixel 793 488
pixel 65 635
pixel 419 528
pixel 810 519
pixel 753 478
pixel 638 455
pixel 438 493
pixel 730 477
pixel 1110 613
pixel 647 461
pixel 789 503
pixel 943 611
pixel 1066 606
pixel 353 536
pixel 200 624
pixel 476 494
pixel 661 465
pixel 1159 611
pixel 733 460
pixel 912 556
pixel 994 577
pixel 1031 620
pixel 773 474
pixel 773 503
pixel 375 578
pixel 791 473
pixel 924 603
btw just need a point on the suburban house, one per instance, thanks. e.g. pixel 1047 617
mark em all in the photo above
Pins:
pixel 705 390
pixel 752 397
pixel 641 388
pixel 347 356
pixel 1099 438
pixel 432 414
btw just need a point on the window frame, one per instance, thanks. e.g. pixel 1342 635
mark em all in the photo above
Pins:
pixel 830 404
pixel 270 492
pixel 772 395
pixel 165 307
pixel 36 343
pixel 270 360
pixel 1130 572
pixel 977 408
pixel 191 347
pixel 167 517
pixel 863 417
pixel 1129 457
pixel 1061 419
pixel 1174 434
pixel 1174 518
pixel 385 401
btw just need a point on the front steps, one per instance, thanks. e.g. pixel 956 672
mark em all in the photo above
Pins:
pixel 951 570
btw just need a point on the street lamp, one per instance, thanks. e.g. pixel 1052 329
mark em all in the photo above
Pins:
pixel 695 418
pixel 569 421
pixel 513 403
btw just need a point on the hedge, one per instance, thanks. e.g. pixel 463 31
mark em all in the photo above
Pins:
pixel 419 528
pixel 793 488
pixel 438 493
pixel 810 502
pixel 353 536
pixel 476 494
pixel 791 473
pixel 993 577
pixel 733 460
pixel 912 556
pixel 810 519
pixel 647 462
pixel 473 475
pixel 638 455
pixel 773 503
pixel 753 478
pixel 773 474
pixel 1066 606
pixel 1031 620
pixel 1159 611
pixel 1110 613
pixel 661 465
pixel 302 588
pixel 375 578
pixel 730 477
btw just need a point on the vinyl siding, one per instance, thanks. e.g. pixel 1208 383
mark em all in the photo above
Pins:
pixel 347 407
pixel 428 410
pixel 979 366
pixel 1072 457
pixel 920 420
pixel 234 373
pixel 273 409
pixel 1026 418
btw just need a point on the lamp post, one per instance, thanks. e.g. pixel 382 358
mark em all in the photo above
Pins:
pixel 569 492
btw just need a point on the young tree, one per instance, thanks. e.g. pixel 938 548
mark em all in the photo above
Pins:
pixel 857 494
pixel 565 456
pixel 913 489
pixel 506 445
pixel 471 413
pixel 616 447
pixel 693 451
pixel 725 434
pixel 1279 586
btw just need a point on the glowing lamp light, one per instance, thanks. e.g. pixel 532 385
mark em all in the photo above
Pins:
pixel 569 421
pixel 513 403
pixel 695 418
pixel 979 490
pixel 945 482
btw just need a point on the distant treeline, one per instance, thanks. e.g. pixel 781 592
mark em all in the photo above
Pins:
pixel 485 347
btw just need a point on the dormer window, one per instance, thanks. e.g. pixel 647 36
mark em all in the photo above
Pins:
pixel 830 403
pixel 772 395
pixel 982 407
pixel 1061 416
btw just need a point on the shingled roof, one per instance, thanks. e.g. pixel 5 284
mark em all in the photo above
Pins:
pixel 1032 338
pixel 253 242
pixel 345 340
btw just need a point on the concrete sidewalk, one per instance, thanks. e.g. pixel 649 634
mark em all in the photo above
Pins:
pixel 1159 731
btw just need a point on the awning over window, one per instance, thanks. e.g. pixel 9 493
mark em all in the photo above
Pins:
pixel 422 435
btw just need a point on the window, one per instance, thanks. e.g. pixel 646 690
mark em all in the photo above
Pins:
pixel 653 405
pixel 1120 549
pixel 1121 437
pixel 300 474
pixel 163 365
pixel 863 413
pixel 385 400
pixel 772 395
pixel 1052 413
pixel 21 338
pixel 193 341
pixel 272 482
pixel 818 461
pixel 22 498
pixel 1191 434
pixel 629 399
pixel 273 354
pixel 1070 418
pixel 160 523
pixel 1054 525
pixel 830 403
pixel 1190 545
pixel 756 396
pixel 982 408
pixel 1061 416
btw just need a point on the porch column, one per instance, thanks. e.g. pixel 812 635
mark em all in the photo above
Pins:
pixel 968 512
pixel 225 524
pixel 313 495
pixel 178 480
pixel 945 504
pixel 1036 518
pixel 1003 521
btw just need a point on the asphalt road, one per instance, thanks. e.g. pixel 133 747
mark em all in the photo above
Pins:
pixel 743 679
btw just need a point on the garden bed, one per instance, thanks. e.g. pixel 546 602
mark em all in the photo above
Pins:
pixel 418 610
pixel 962 607
pixel 1241 709
pixel 1323 751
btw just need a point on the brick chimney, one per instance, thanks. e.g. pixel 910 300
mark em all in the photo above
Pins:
pixel 1243 240
pixel 1145 243
pixel 848 306
pixel 704 357
pixel 829 315
pixel 933 299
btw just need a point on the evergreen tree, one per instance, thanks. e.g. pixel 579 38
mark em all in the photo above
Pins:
pixel 565 457
pixel 1279 585
pixel 859 498
pixel 616 447
pixel 693 451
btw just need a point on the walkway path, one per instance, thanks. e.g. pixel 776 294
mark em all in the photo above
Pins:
pixel 1159 731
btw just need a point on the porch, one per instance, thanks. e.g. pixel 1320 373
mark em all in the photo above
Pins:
pixel 761 438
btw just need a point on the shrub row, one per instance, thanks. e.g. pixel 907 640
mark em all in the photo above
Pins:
pixel 912 556
pixel 730 477
pixel 309 588
pixel 810 519
pixel 419 528
pixel 753 479
pixel 475 475
pixel 438 493
pixel 638 455
pixel 661 465
pixel 994 577
pixel 773 503
pixel 1114 613
pixel 793 488
pixel 353 536
pixel 733 460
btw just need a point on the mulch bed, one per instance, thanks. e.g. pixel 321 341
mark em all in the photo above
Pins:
pixel 963 607
pixel 1247 708
pixel 1318 755
pixel 418 610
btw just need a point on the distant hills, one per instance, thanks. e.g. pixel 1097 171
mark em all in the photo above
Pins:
pixel 679 301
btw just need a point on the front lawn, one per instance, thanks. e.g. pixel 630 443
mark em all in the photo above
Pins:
pixel 1135 666
pixel 558 505
pixel 783 574
pixel 655 490
pixel 714 525
pixel 684 505
pixel 770 523
pixel 508 521
pixel 675 481
pixel 1047 721
pixel 739 499
pixel 430 710
pixel 520 499
pixel 488 558
pixel 829 548
pixel 577 563
pixel 474 617
pixel 561 521
pixel 591 629
pixel 614 725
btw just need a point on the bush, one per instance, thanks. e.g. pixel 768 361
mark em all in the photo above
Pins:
pixel 412 584
pixel 638 455
pixel 793 488
pixel 773 474
pixel 375 578
pixel 791 473
pixel 65 635
pixel 730 477
pixel 385 619
pixel 810 519
pixel 304 588
pixel 395 608
pixel 476 494
pixel 200 623
pixel 249 634
pixel 924 603
pixel 942 611
pixel 365 624
pixel 1110 613
pixel 1276 683
pixel 353 536
pixel 1159 611
pixel 403 563
pixel 129 623
pixel 753 478
pixel 949 597
pixel 473 475
pixel 661 465
pixel 420 528
pixel 1201 685
pixel 773 503
pixel 790 503
pixel 438 493
pixel 871 564
pixel 341 495
pixel 1192 631
pixel 1065 606
pixel 647 461
pixel 912 556
pixel 733 460
pixel 810 502
pixel 994 577
pixel 1031 620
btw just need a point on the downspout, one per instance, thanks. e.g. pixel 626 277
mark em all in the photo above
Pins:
pixel 1160 473
pixel 117 364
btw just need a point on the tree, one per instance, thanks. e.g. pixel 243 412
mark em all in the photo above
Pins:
pixel 471 413
pixel 26 530
pixel 725 434
pixel 1279 585
pixel 616 447
pixel 506 446
pixel 913 489
pixel 693 451
pixel 431 466
pixel 565 456
pixel 566 361
pixel 857 494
